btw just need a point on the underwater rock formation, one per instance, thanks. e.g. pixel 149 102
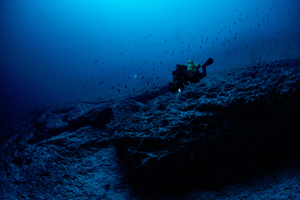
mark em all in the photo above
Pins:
pixel 211 134
pixel 216 130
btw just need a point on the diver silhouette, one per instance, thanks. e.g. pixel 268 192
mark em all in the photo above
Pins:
pixel 182 75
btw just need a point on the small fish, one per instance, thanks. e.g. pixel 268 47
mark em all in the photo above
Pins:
pixel 118 84
pixel 114 72
pixel 112 88
pixel 157 78
pixel 92 77
pixel 73 93
pixel 109 78
pixel 84 86
pixel 148 83
pixel 118 90
pixel 143 77
pixel 96 61
pixel 138 74
pixel 125 86
pixel 133 89
pixel 100 82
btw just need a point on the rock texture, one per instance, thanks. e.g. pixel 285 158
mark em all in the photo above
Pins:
pixel 216 130
pixel 232 123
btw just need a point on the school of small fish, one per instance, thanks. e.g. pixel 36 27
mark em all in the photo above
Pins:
pixel 264 20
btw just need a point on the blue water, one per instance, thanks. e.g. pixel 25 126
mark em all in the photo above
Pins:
pixel 49 48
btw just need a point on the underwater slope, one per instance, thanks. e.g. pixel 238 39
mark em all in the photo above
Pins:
pixel 216 130
pixel 212 133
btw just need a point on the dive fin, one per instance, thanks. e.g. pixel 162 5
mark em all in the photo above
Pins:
pixel 208 62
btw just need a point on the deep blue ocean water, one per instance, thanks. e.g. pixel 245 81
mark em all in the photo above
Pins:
pixel 58 50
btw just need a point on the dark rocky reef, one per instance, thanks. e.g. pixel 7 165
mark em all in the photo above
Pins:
pixel 213 133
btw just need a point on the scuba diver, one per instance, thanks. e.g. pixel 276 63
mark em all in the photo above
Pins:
pixel 182 75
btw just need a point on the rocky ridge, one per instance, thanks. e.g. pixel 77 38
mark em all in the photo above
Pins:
pixel 211 134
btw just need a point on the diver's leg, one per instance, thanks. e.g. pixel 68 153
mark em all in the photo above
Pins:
pixel 204 71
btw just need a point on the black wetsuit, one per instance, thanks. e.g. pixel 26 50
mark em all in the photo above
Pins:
pixel 181 76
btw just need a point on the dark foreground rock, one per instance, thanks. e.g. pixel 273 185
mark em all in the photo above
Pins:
pixel 216 130
pixel 231 124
